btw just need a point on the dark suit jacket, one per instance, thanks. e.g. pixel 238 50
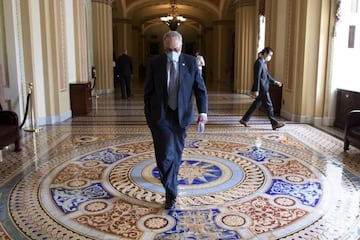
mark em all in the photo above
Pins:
pixel 190 83
pixel 262 78
pixel 124 65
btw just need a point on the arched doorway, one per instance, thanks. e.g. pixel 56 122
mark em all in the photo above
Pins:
pixel 209 29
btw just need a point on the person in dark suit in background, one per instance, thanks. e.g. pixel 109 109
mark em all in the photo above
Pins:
pixel 124 70
pixel 200 61
pixel 168 107
pixel 260 89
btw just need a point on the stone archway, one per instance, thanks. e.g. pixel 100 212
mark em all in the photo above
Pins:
pixel 209 29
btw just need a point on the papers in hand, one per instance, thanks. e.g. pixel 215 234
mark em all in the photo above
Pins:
pixel 201 127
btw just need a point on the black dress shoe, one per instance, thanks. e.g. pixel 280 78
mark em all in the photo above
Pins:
pixel 170 204
pixel 279 125
pixel 244 123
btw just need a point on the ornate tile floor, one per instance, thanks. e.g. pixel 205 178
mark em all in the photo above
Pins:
pixel 95 177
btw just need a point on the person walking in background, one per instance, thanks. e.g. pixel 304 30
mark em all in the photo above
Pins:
pixel 114 68
pixel 260 89
pixel 124 71
pixel 200 61
pixel 173 78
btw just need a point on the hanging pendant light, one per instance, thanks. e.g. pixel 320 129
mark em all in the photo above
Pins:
pixel 173 19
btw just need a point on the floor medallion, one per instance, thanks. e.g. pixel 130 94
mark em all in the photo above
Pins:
pixel 229 188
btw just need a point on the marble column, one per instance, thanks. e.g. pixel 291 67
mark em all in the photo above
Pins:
pixel 245 45
pixel 299 32
pixel 135 51
pixel 10 74
pixel 223 51
pixel 209 55
pixel 103 45
pixel 81 41
pixel 123 32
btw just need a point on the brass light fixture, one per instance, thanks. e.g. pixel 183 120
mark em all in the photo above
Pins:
pixel 173 19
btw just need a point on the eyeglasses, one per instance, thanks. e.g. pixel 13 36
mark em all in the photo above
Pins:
pixel 177 49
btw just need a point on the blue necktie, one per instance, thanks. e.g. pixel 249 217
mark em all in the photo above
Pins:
pixel 172 89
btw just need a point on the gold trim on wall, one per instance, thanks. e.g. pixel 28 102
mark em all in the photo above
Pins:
pixel 290 33
pixel 5 70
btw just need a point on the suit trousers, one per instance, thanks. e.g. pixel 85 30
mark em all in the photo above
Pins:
pixel 169 140
pixel 125 86
pixel 264 97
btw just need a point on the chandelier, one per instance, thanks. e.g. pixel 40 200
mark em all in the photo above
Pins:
pixel 173 19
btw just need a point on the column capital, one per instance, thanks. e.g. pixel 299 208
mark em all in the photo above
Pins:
pixel 223 22
pixel 136 28
pixel 208 29
pixel 107 2
pixel 242 3
pixel 122 20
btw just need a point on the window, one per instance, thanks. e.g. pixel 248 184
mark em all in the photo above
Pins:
pixel 354 6
pixel 346 47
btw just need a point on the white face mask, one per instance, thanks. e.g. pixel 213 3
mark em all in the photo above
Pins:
pixel 173 56
pixel 268 58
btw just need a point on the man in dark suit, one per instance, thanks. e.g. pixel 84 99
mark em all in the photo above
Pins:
pixel 124 70
pixel 173 78
pixel 260 89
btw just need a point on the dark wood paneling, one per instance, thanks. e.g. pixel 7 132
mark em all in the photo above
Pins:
pixel 80 98
pixel 345 102
pixel 276 98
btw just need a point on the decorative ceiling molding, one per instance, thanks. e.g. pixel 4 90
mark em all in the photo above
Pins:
pixel 199 14
pixel 223 22
pixel 122 20
pixel 243 3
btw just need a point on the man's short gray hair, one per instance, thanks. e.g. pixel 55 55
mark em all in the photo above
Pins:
pixel 171 34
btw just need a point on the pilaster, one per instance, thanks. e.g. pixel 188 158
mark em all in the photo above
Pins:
pixel 209 54
pixel 11 64
pixel 300 53
pixel 123 30
pixel 81 41
pixel 33 56
pixel 135 52
pixel 245 45
pixel 103 45
pixel 223 31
